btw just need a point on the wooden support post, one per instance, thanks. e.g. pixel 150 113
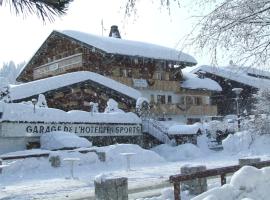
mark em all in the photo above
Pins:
pixel 223 179
pixel 176 187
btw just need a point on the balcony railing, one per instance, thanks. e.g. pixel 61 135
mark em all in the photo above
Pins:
pixel 152 84
pixel 180 109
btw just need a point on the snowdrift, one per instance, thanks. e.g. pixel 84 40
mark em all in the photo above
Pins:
pixel 246 143
pixel 247 183
pixel 141 157
pixel 62 140
pixel 178 153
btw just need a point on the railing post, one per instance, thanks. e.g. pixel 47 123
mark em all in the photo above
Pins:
pixel 223 179
pixel 176 187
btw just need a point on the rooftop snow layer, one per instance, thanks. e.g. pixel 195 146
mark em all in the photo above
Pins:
pixel 239 74
pixel 131 48
pixel 40 86
pixel 24 112
pixel 184 129
pixel 192 81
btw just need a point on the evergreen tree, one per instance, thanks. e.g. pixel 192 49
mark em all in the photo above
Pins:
pixel 45 9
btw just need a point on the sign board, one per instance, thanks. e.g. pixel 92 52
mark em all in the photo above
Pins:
pixel 58 66
pixel 36 129
pixel 140 83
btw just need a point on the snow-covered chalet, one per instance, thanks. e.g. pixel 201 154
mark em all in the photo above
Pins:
pixel 73 68
pixel 250 79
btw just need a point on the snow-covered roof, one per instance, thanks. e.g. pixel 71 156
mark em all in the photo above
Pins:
pixel 24 112
pixel 244 75
pixel 131 48
pixel 192 81
pixel 40 86
pixel 184 129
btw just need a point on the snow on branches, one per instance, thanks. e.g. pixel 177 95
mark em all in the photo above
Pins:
pixel 240 26
pixel 262 112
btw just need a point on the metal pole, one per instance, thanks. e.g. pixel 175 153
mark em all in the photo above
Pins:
pixel 177 195
pixel 238 114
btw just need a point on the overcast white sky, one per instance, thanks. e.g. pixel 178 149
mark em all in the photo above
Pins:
pixel 20 37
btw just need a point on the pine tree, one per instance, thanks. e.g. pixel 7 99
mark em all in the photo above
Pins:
pixel 45 9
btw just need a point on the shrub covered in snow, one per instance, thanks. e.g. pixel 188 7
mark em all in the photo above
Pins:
pixel 42 101
pixel 62 140
pixel 112 106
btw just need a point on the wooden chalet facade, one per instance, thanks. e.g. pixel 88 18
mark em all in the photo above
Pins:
pixel 158 78
pixel 249 79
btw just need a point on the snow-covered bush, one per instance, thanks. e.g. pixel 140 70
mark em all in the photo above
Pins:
pixel 4 90
pixel 42 101
pixel 93 107
pixel 112 106
pixel 142 107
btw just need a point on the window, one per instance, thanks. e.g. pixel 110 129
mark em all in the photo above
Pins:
pixel 152 98
pixel 169 99
pixel 129 73
pixel 159 76
pixel 182 100
pixel 123 73
pixel 198 101
pixel 161 99
pixel 189 100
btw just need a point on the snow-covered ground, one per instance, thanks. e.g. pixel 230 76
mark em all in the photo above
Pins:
pixel 35 178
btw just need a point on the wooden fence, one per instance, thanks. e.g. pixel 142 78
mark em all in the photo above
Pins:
pixel 222 172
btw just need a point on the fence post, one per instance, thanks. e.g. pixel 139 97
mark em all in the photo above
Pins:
pixel 223 179
pixel 197 185
pixel 111 188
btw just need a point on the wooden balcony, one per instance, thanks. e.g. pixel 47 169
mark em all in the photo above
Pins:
pixel 178 109
pixel 152 84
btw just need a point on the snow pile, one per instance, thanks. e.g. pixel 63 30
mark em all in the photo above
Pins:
pixel 192 81
pixel 185 129
pixel 247 183
pixel 115 154
pixel 202 143
pixel 101 178
pixel 247 143
pixel 40 168
pixel 62 140
pixel 238 142
pixel 112 107
pixel 25 112
pixel 178 153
